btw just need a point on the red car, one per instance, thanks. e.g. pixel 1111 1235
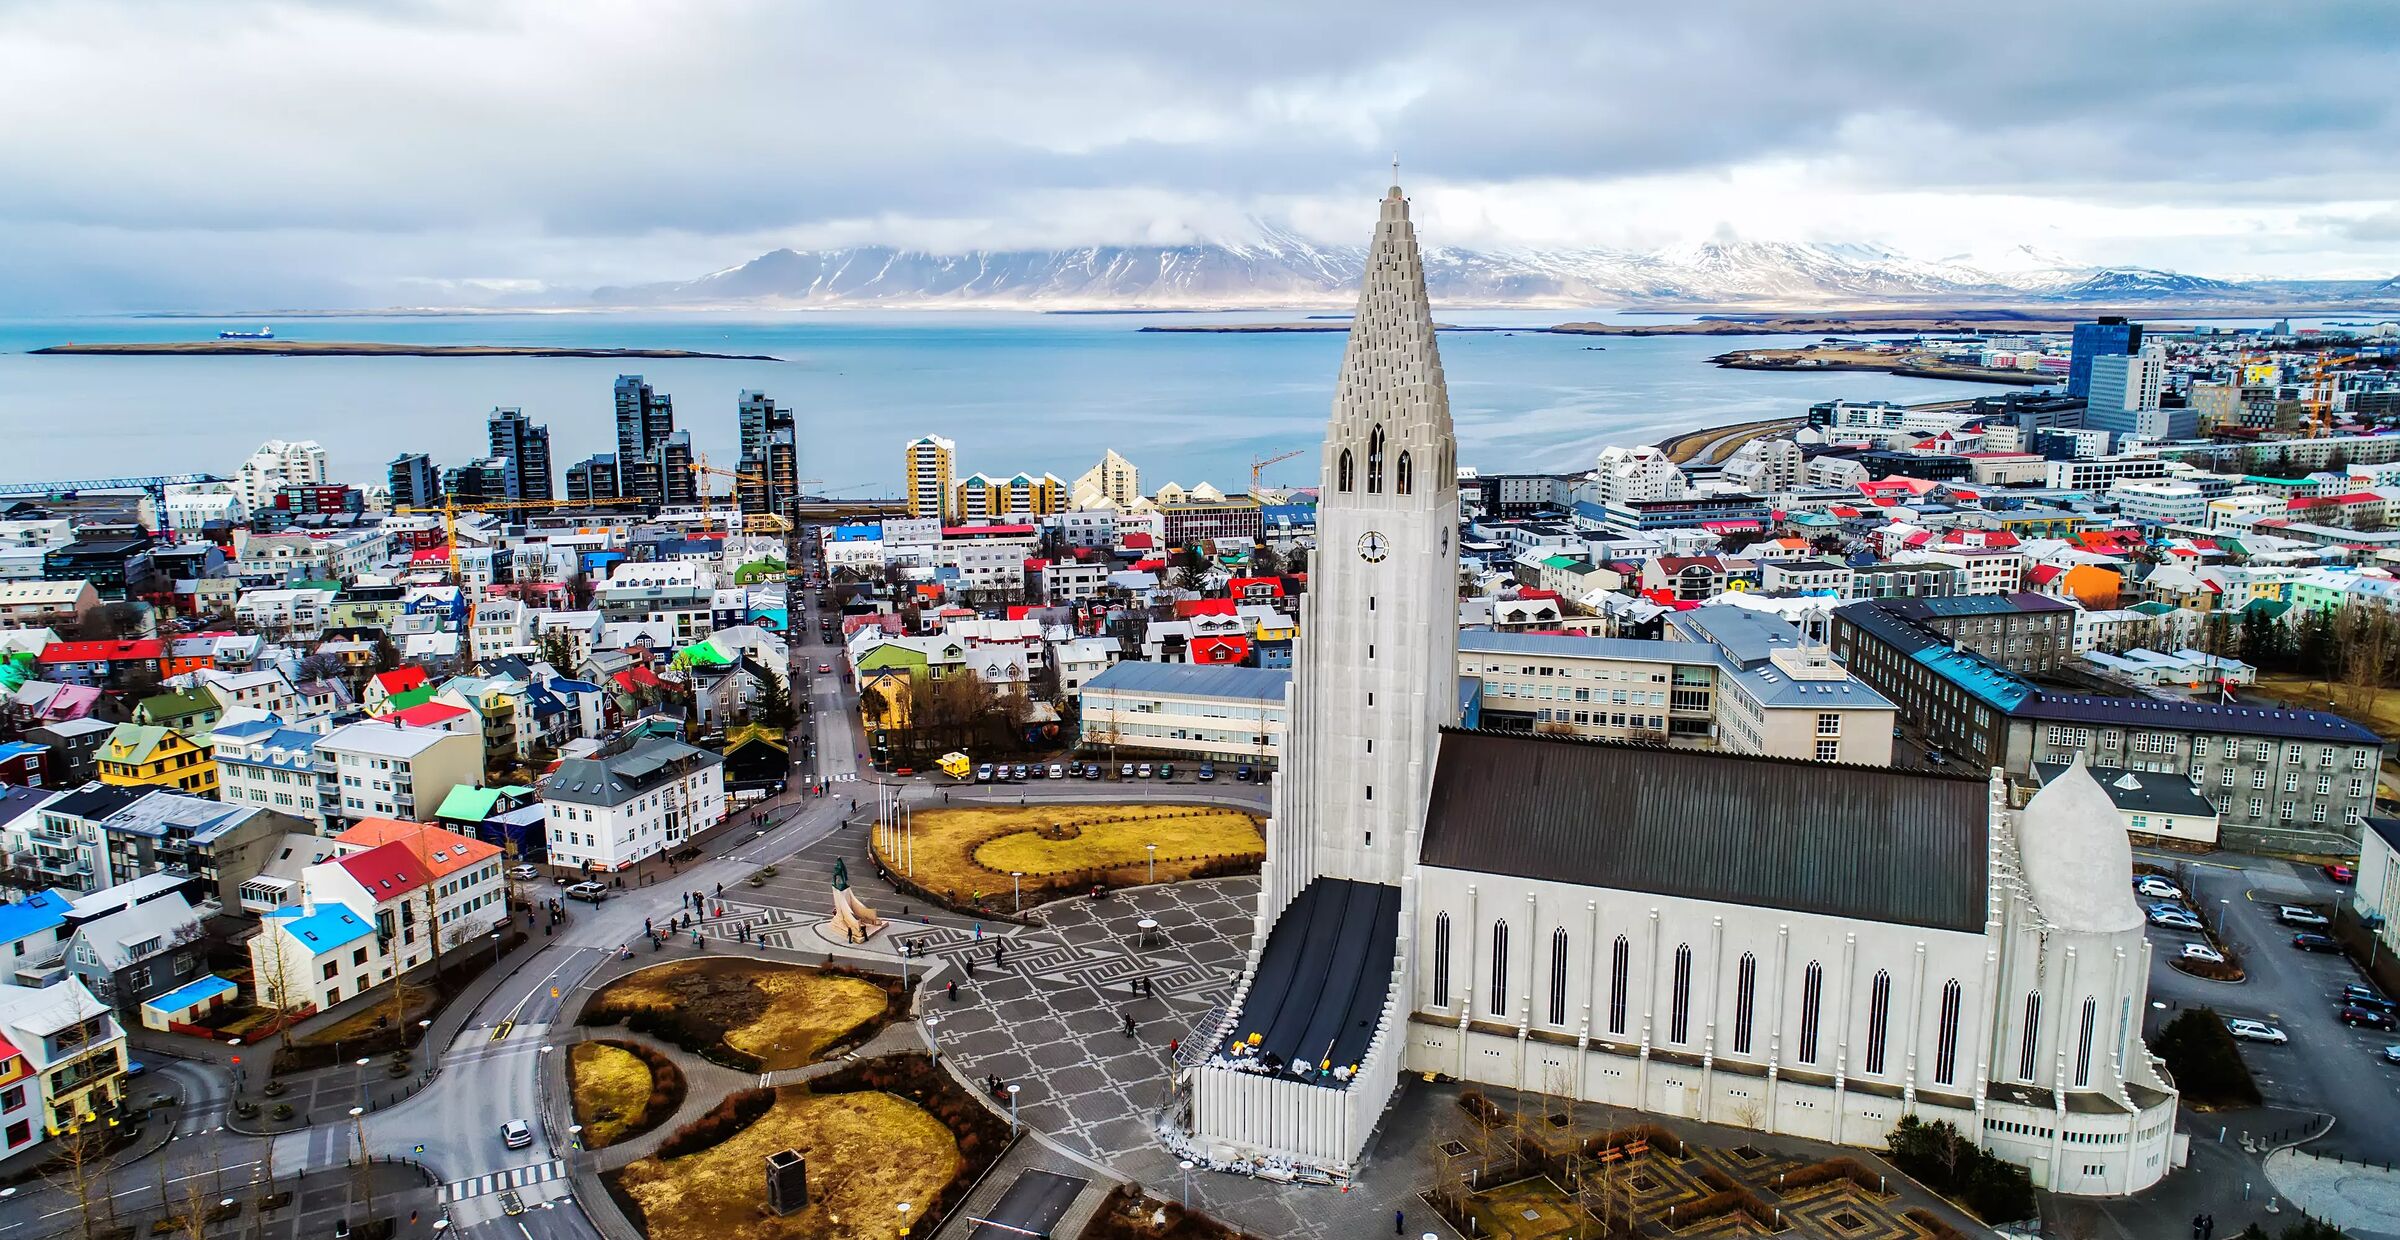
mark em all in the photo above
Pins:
pixel 824 667
pixel 2341 873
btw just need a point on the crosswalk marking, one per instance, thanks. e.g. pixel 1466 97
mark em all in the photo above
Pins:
pixel 513 1177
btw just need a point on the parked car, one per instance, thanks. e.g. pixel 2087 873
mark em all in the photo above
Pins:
pixel 1208 771
pixel 1091 771
pixel 2174 919
pixel 2294 915
pixel 1166 770
pixel 2315 943
pixel 2365 996
pixel 1145 770
pixel 1125 771
pixel 983 774
pixel 1020 770
pixel 2156 888
pixel 590 893
pixel 2391 1054
pixel 135 1067
pixel 523 873
pixel 2203 952
pixel 2341 873
pixel 1242 772
pixel 2257 1031
pixel 2373 1018
pixel 516 1134
pixel 1057 771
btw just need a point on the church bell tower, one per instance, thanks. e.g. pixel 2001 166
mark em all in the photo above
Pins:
pixel 1377 664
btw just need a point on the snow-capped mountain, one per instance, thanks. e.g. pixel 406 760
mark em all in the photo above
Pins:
pixel 1277 268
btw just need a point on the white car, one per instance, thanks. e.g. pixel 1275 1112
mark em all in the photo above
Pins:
pixel 2294 915
pixel 2173 919
pixel 516 1134
pixel 2157 888
pixel 2257 1031
pixel 2202 951
pixel 523 873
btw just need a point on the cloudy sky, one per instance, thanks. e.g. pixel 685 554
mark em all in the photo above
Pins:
pixel 257 153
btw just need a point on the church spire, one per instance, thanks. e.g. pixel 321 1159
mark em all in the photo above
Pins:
pixel 1390 399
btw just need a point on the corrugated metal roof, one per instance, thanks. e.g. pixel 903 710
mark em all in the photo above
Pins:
pixel 1870 843
pixel 1258 684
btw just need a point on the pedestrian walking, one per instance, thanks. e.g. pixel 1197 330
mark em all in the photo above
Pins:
pixel 979 932
pixel 1129 1024
pixel 1174 1047
pixel 1399 1223
pixel 954 992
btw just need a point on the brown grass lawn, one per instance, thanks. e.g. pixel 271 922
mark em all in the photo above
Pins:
pixel 964 851
pixel 866 1152
pixel 784 1014
pixel 611 1087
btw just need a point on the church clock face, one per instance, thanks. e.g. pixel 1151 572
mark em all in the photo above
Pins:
pixel 1371 547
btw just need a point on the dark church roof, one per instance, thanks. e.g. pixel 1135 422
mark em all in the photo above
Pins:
pixel 1870 843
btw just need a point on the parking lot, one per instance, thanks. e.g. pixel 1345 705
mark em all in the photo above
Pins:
pixel 2327 1067
pixel 1074 770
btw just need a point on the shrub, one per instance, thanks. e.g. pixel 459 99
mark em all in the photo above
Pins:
pixel 1945 1161
pixel 2205 1062
pixel 722 1123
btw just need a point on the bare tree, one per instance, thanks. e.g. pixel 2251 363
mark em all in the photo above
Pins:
pixel 75 1170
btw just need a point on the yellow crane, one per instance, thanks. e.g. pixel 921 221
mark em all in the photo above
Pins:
pixel 450 509
pixel 1258 463
pixel 768 522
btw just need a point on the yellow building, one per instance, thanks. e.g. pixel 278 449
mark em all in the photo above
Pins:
pixel 930 464
pixel 155 757
pixel 981 498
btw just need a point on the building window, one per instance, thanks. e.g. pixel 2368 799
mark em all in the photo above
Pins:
pixel 1745 991
pixel 1343 475
pixel 1679 1018
pixel 1375 461
pixel 2033 1035
pixel 1404 479
pixel 1441 960
pixel 1829 724
pixel 1619 964
pixel 1828 751
pixel 2083 1042
pixel 1879 1013
pixel 1945 1042
pixel 1812 995
pixel 1499 968
pixel 1558 973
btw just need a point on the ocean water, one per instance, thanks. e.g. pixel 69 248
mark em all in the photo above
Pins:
pixel 1017 391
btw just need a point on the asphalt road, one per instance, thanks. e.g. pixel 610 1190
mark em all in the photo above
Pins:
pixel 2328 1067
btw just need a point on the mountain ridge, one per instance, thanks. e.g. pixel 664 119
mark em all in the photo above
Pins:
pixel 1277 268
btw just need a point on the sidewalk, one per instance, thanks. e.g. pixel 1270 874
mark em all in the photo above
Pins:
pixel 2360 1198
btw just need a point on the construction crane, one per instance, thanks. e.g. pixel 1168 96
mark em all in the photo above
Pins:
pixel 451 508
pixel 1257 464
pixel 757 522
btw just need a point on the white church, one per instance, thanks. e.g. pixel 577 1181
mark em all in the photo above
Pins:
pixel 1795 947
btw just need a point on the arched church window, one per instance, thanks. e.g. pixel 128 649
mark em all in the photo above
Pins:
pixel 1558 976
pixel 2083 1042
pixel 1441 960
pixel 1745 996
pixel 1375 462
pixel 1402 476
pixel 1879 1017
pixel 1344 479
pixel 1812 1002
pixel 1945 1039
pixel 1679 1014
pixel 2033 1035
pixel 1620 957
pixel 1499 968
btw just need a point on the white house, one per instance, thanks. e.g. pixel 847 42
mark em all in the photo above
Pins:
pixel 635 797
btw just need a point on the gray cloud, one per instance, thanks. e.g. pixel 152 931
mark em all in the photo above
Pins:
pixel 159 153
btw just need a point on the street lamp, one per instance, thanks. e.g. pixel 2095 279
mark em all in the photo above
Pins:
pixel 1186 1164
pixel 1016 888
pixel 903 1218
pixel 1012 1109
pixel 1153 849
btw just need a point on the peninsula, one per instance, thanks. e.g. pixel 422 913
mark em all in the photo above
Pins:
pixel 342 348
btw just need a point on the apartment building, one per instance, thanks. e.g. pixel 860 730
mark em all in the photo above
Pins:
pixel 379 769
